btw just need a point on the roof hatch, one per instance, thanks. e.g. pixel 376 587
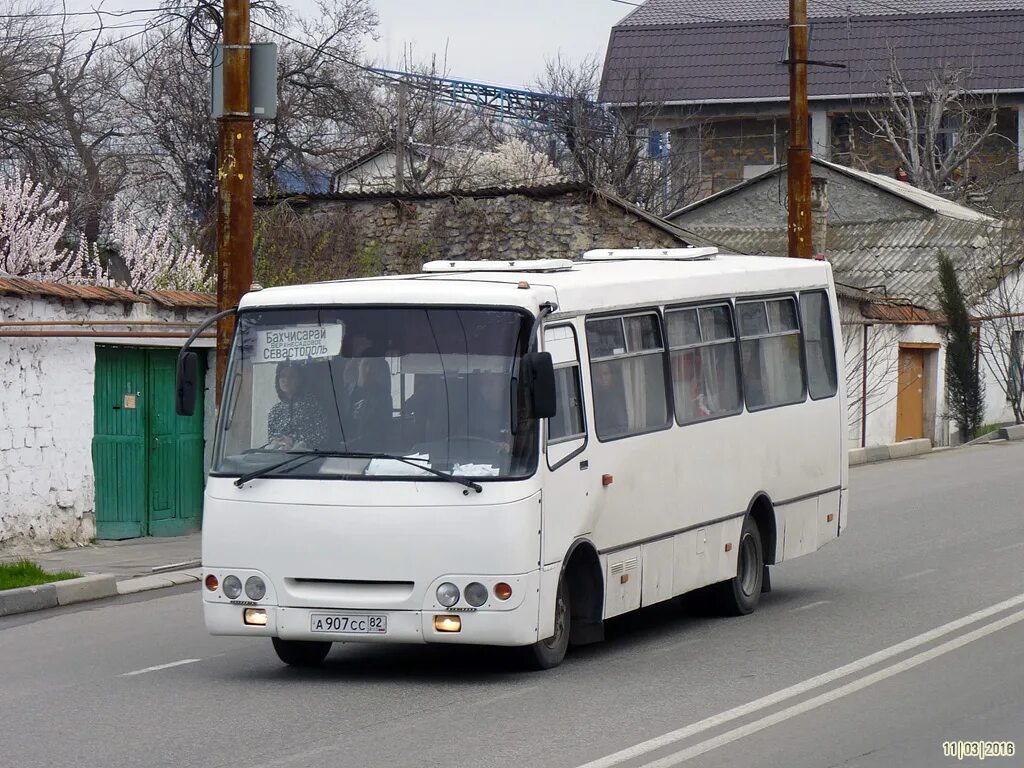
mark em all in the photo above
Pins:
pixel 532 265
pixel 656 254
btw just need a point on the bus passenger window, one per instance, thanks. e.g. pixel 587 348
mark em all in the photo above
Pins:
pixel 705 372
pixel 770 351
pixel 819 346
pixel 628 375
pixel 567 423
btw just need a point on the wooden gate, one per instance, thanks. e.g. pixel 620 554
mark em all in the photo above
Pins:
pixel 148 461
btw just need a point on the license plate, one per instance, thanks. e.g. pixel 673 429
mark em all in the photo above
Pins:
pixel 351 623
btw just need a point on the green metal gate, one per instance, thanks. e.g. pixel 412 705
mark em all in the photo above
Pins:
pixel 148 461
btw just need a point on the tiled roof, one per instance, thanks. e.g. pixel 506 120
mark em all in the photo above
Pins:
pixel 19 286
pixel 700 63
pixel 699 11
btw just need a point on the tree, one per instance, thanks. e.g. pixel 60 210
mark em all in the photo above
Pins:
pixel 934 133
pixel 610 147
pixel 965 393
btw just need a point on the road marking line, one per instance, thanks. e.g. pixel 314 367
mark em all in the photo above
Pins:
pixel 1018 545
pixel 838 693
pixel 925 572
pixel 159 667
pixel 666 739
pixel 811 605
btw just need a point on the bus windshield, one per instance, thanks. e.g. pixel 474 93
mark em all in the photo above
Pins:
pixel 430 384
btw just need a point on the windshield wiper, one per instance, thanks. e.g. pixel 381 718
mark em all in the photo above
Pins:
pixel 298 459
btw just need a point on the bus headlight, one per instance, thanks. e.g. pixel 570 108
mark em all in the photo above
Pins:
pixel 447 594
pixel 255 588
pixel 232 587
pixel 476 594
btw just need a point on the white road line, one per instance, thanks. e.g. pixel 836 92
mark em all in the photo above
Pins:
pixel 925 572
pixel 1018 545
pixel 811 605
pixel 159 667
pixel 667 739
pixel 837 693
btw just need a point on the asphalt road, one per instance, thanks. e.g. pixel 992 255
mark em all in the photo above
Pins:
pixel 906 633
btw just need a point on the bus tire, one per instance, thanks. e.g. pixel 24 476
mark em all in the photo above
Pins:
pixel 301 653
pixel 740 595
pixel 546 654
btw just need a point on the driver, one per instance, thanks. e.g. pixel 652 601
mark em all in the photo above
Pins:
pixel 297 421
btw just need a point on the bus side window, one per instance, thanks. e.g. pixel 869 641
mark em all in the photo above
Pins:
pixel 566 430
pixel 627 372
pixel 819 345
pixel 770 351
pixel 705 363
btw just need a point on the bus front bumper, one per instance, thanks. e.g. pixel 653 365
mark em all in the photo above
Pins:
pixel 514 627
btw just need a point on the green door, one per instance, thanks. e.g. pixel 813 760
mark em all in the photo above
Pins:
pixel 148 461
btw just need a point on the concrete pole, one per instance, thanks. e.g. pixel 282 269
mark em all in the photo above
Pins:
pixel 234 178
pixel 799 161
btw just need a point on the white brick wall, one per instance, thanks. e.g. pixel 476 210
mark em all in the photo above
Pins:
pixel 47 493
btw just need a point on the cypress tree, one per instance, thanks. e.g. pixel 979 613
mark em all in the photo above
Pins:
pixel 965 393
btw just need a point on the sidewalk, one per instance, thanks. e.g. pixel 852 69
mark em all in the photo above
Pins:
pixel 124 559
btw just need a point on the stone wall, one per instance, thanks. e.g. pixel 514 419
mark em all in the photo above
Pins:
pixel 47 493
pixel 358 237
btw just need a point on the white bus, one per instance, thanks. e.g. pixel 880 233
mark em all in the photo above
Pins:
pixel 509 453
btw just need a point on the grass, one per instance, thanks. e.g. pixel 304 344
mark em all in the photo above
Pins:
pixel 25 573
pixel 985 429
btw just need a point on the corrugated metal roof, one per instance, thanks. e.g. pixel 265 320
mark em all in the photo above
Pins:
pixel 738 60
pixel 19 286
pixel 702 11
pixel 897 257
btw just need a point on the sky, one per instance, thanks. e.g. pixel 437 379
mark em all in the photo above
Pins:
pixel 486 40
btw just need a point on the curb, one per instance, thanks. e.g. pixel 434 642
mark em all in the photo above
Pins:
pixel 1015 432
pixel 88 588
pixel 903 450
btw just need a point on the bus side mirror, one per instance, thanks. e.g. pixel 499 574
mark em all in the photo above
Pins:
pixel 187 385
pixel 539 379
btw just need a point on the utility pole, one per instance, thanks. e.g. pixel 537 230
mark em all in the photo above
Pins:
pixel 799 160
pixel 234 177
pixel 401 136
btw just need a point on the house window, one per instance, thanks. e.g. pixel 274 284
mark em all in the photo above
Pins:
pixel 770 351
pixel 628 371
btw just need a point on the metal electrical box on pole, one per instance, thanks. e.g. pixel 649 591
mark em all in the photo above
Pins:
pixel 234 177
pixel 262 80
pixel 799 159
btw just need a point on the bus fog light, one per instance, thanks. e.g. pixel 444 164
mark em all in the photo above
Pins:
pixel 447 594
pixel 255 589
pixel 502 591
pixel 476 594
pixel 255 617
pixel 232 587
pixel 211 582
pixel 447 623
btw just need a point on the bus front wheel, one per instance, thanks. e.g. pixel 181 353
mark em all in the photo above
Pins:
pixel 739 595
pixel 549 653
pixel 301 653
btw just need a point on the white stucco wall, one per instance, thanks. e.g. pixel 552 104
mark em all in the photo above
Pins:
pixel 883 377
pixel 1008 298
pixel 47 493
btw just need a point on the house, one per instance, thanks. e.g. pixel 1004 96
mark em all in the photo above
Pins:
pixel 310 237
pixel 91 446
pixel 883 238
pixel 717 68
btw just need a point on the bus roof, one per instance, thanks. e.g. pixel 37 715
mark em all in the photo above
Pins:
pixel 585 286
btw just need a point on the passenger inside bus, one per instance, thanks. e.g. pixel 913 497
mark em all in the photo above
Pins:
pixel 297 421
pixel 369 407
pixel 609 401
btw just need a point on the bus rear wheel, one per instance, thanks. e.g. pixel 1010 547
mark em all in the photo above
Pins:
pixel 740 595
pixel 546 654
pixel 301 653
